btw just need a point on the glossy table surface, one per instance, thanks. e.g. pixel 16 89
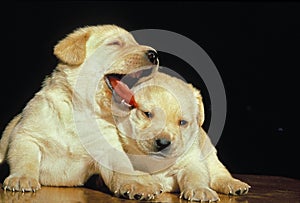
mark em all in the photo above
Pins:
pixel 264 189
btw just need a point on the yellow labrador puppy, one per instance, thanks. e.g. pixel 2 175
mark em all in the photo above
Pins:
pixel 162 134
pixel 41 144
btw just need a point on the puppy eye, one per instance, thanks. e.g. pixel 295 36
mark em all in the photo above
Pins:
pixel 182 122
pixel 148 114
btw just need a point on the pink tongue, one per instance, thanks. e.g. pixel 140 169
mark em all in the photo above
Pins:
pixel 123 91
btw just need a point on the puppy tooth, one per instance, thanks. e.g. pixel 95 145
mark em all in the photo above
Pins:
pixel 23 190
pixel 181 194
pixel 5 188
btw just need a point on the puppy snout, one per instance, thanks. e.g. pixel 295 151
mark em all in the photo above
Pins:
pixel 162 143
pixel 152 56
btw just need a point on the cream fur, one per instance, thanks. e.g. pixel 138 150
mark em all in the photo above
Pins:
pixel 196 172
pixel 41 144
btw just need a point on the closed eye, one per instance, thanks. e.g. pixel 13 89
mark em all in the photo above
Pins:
pixel 115 43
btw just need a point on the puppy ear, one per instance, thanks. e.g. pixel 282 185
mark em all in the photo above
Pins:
pixel 72 49
pixel 200 106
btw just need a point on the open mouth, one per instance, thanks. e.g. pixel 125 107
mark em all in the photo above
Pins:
pixel 121 84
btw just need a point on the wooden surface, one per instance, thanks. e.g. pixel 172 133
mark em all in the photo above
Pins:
pixel 264 189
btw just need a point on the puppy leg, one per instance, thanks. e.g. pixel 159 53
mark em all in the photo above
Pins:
pixel 194 183
pixel 24 159
pixel 220 178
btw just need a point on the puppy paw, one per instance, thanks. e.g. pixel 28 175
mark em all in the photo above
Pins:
pixel 138 191
pixel 199 194
pixel 237 187
pixel 21 183
pixel 231 186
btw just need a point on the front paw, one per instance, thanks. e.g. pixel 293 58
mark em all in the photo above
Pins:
pixel 199 194
pixel 21 183
pixel 138 191
pixel 237 187
pixel 231 186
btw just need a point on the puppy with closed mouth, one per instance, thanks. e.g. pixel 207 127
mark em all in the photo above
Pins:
pixel 162 134
pixel 41 144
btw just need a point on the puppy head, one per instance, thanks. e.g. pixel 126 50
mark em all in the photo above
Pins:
pixel 167 118
pixel 125 53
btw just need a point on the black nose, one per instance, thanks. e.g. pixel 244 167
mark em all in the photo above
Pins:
pixel 162 143
pixel 152 56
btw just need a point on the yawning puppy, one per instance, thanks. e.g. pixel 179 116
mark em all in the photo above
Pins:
pixel 42 144
pixel 162 134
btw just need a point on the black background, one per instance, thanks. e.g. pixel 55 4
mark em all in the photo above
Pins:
pixel 254 45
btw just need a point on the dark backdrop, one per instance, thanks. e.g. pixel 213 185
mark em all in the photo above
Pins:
pixel 255 47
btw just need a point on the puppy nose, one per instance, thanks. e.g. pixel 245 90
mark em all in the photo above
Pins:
pixel 152 56
pixel 162 143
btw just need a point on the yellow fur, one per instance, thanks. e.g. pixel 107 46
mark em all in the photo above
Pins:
pixel 41 144
pixel 195 171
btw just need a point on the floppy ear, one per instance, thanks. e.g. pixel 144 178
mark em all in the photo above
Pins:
pixel 72 49
pixel 200 106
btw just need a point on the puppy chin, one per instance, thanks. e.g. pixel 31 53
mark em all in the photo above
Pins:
pixel 151 163
pixel 160 155
pixel 168 153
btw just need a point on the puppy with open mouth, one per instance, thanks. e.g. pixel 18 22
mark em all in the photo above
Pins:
pixel 161 133
pixel 41 144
